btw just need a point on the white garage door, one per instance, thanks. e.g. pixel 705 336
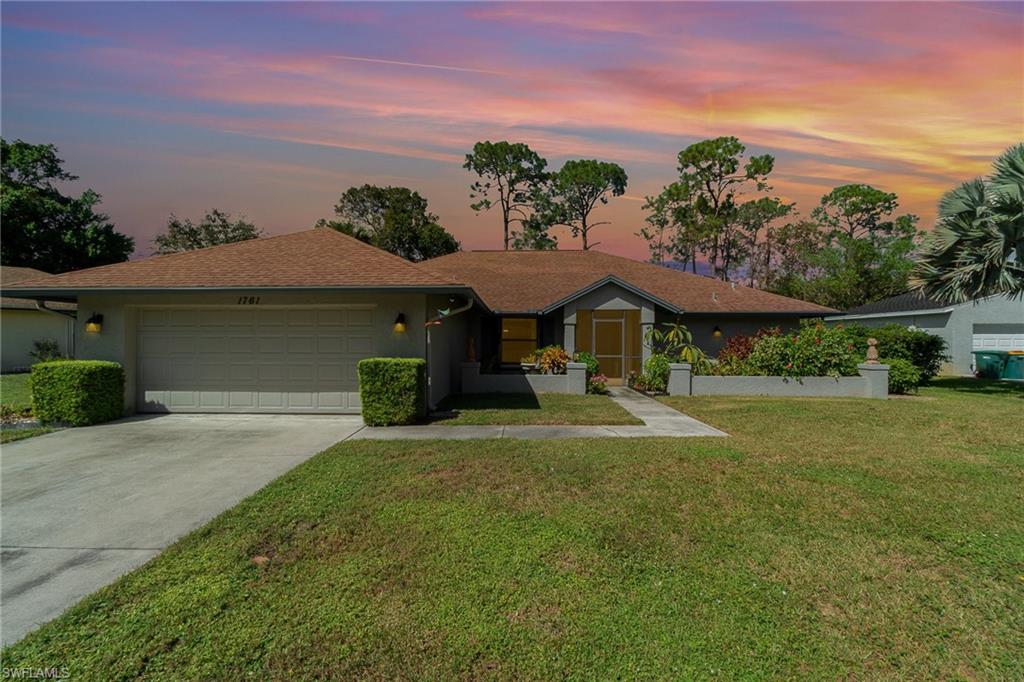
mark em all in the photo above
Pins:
pixel 998 337
pixel 251 360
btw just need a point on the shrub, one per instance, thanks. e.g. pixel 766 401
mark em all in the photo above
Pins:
pixel 597 384
pixel 44 350
pixel 656 371
pixel 393 390
pixel 593 372
pixel 904 376
pixel 77 392
pixel 739 346
pixel 926 351
pixel 553 360
pixel 814 351
pixel 593 366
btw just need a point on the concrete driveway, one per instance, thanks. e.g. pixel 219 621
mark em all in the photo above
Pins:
pixel 81 507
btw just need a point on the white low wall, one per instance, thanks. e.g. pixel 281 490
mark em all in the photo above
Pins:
pixel 873 382
pixel 573 381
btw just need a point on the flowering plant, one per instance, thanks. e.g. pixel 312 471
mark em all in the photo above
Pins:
pixel 597 383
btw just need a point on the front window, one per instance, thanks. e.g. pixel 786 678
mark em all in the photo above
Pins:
pixel 518 338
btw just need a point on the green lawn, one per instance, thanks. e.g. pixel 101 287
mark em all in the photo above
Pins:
pixel 825 539
pixel 11 435
pixel 14 390
pixel 547 408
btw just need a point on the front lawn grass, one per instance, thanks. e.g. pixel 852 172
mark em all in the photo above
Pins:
pixel 15 391
pixel 825 539
pixel 12 435
pixel 520 408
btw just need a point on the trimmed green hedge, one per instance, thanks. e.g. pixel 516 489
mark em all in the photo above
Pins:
pixel 77 392
pixel 393 390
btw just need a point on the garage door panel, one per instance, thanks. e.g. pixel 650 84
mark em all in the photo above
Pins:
pixel 360 318
pixel 330 318
pixel 360 345
pixel 213 399
pixel 270 360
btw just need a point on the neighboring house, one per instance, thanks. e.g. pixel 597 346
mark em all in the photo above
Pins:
pixel 989 323
pixel 278 324
pixel 22 322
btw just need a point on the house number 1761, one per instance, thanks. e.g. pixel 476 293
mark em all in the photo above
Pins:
pixel 248 300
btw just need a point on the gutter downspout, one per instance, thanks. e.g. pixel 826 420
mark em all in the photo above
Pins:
pixel 470 300
pixel 70 340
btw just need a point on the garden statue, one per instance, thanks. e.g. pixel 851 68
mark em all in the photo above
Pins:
pixel 872 355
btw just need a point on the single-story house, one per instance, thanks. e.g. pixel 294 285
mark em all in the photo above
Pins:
pixel 24 321
pixel 993 323
pixel 278 324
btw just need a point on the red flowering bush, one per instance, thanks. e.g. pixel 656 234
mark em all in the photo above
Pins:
pixel 740 346
pixel 814 351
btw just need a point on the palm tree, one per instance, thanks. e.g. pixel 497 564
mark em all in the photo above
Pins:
pixel 977 248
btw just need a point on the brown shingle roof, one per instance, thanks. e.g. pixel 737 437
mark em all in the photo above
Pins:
pixel 11 275
pixel 531 281
pixel 313 258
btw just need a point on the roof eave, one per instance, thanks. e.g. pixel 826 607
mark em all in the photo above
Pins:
pixel 891 313
pixel 72 293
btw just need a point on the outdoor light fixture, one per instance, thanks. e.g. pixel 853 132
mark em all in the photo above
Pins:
pixel 94 325
pixel 400 324
pixel 716 332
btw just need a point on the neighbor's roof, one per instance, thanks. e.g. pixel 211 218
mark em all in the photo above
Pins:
pixel 912 301
pixel 314 259
pixel 536 281
pixel 11 275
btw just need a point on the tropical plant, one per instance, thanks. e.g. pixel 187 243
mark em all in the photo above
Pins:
pixel 977 247
pixel 553 360
pixel 44 350
pixel 656 373
pixel 675 341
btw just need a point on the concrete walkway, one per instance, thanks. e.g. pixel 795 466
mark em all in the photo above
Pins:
pixel 659 421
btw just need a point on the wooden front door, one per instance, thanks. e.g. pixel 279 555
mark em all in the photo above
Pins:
pixel 614 338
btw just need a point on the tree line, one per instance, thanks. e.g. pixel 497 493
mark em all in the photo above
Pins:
pixel 718 216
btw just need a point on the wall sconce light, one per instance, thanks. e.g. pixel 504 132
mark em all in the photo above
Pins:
pixel 716 332
pixel 399 327
pixel 94 325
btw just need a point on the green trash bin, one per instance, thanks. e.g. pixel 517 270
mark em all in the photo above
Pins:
pixel 1014 368
pixel 989 364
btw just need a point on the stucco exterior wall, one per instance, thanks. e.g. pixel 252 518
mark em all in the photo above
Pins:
pixel 608 297
pixel 703 326
pixel 448 348
pixel 18 330
pixel 117 340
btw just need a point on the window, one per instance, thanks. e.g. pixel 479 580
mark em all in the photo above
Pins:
pixel 518 338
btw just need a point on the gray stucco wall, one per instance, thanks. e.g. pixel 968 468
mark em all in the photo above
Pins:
pixel 117 340
pixel 20 328
pixel 608 297
pixel 702 327
pixel 449 344
pixel 957 326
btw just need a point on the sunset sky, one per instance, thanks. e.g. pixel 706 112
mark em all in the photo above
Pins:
pixel 272 110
